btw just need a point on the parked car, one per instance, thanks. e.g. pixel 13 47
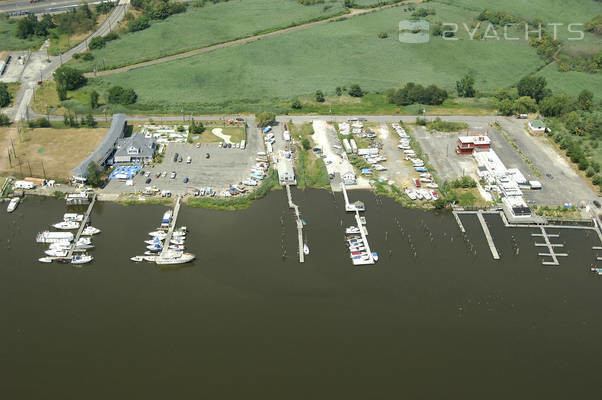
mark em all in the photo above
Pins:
pixel 173 175
pixel 240 119
pixel 180 159
pixel 220 144
pixel 188 160
pixel 163 174
pixel 229 145
pixel 141 173
pixel 147 174
pixel 175 157
pixel 597 203
pixel 196 192
pixel 186 180
pixel 198 145
pixel 207 155
pixel 148 180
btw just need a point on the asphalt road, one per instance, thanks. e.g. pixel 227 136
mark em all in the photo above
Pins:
pixel 41 6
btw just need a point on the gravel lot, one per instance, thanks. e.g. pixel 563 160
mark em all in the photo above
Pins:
pixel 223 168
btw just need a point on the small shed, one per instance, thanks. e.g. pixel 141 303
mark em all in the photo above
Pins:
pixel 537 126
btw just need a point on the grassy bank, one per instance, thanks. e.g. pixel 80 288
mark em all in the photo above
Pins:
pixel 240 202
pixel 309 169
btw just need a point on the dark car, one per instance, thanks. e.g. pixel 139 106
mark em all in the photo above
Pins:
pixel 175 157
pixel 141 173
pixel 240 119
pixel 186 180
pixel 597 203
pixel 207 155
pixel 148 180
pixel 229 145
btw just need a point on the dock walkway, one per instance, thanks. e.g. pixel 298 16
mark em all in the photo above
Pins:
pixel 82 227
pixel 171 228
pixel 299 222
pixel 488 236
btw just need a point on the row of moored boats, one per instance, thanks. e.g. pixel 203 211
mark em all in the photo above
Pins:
pixel 61 242
pixel 161 248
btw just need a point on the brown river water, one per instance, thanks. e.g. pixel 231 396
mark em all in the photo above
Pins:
pixel 435 318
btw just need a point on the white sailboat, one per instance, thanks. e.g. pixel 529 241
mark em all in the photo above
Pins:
pixel 90 230
pixel 305 249
pixel 83 259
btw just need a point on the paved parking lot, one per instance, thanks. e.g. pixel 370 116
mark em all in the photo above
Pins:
pixel 561 184
pixel 223 168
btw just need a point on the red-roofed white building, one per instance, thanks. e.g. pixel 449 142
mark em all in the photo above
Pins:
pixel 468 144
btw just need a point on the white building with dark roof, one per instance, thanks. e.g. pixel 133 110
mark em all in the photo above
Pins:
pixel 136 149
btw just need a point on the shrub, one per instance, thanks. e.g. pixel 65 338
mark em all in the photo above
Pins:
pixel 356 91
pixel 382 35
pixel 305 143
pixel 111 36
pixel 319 96
pixel 87 57
pixel 265 118
pixel 5 96
pixel 139 24
pixel 97 42
pixel 119 95
pixel 76 56
pixel 296 104
pixel 464 182
pixel 4 120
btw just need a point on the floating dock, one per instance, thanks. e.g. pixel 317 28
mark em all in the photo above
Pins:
pixel 488 236
pixel 551 246
pixel 82 226
pixel 170 229
pixel 457 217
pixel 299 222
pixel 370 259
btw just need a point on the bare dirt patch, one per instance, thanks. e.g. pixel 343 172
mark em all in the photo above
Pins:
pixel 60 150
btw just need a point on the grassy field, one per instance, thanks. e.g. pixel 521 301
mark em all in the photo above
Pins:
pixel 309 169
pixel 201 27
pixel 324 57
pixel 9 42
pixel 50 146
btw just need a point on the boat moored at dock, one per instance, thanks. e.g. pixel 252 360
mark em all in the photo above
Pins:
pixel 53 237
pixel 12 204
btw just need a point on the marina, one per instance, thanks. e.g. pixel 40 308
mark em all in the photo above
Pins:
pixel 356 240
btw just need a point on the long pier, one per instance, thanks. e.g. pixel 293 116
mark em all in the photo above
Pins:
pixel 488 236
pixel 82 226
pixel 357 206
pixel 172 225
pixel 457 217
pixel 299 222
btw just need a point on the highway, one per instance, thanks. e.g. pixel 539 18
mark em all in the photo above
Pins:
pixel 41 6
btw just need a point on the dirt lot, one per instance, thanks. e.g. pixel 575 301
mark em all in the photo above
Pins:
pixel 60 150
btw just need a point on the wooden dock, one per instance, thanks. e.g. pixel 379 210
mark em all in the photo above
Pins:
pixel 488 236
pixel 172 225
pixel 299 222
pixel 82 226
pixel 457 217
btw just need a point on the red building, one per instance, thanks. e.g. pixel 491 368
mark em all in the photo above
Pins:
pixel 468 144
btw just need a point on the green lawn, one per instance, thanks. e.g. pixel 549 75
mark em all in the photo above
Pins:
pixel 8 40
pixel 201 27
pixel 272 71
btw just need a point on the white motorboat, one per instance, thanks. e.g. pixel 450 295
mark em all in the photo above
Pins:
pixel 56 253
pixel 411 194
pixel 150 258
pixel 432 186
pixel 426 194
pixel 154 247
pixel 178 234
pixel 73 217
pixel 305 249
pixel 352 230
pixel 12 204
pixel 90 230
pixel 176 241
pixel 419 195
pixel 53 237
pixel 155 241
pixel 425 175
pixel 137 258
pixel 379 167
pixel 83 241
pixel 176 247
pixel 66 226
pixel 375 256
pixel 83 259
pixel 175 259
pixel 159 234
pixel 46 259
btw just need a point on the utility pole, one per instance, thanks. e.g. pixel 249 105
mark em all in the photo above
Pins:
pixel 10 159
pixel 44 170
pixel 29 165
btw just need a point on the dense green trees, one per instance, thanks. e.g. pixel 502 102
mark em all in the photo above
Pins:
pixel 4 120
pixel 415 93
pixel 69 77
pixel 29 26
pixel 5 96
pixel 534 87
pixel 94 99
pixel 94 175
pixel 356 91
pixel 196 128
pixel 120 95
pixel 296 104
pixel 97 42
pixel 319 96
pixel 465 86
pixel 265 118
